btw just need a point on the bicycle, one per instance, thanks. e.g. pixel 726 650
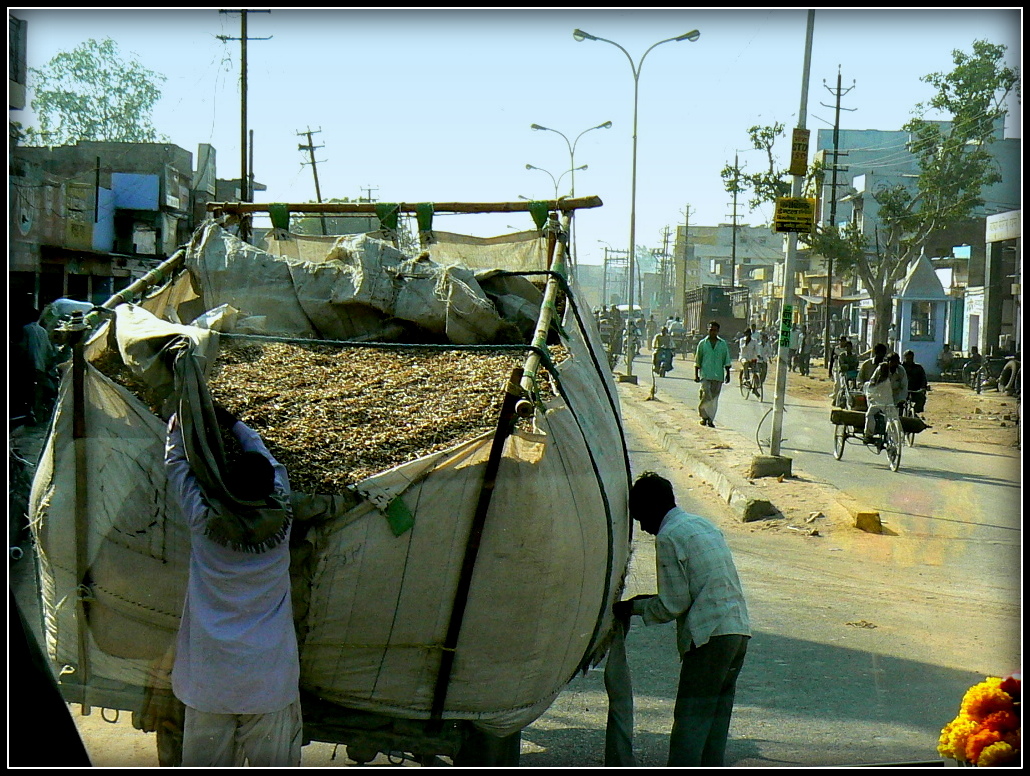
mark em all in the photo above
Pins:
pixel 988 374
pixel 908 410
pixel 752 378
pixel 661 361
pixel 849 424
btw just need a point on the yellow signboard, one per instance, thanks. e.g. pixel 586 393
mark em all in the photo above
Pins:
pixel 799 152
pixel 794 214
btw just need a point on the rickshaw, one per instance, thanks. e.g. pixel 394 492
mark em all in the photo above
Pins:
pixel 888 436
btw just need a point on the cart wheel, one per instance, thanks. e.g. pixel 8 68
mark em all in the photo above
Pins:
pixel 895 439
pixel 840 435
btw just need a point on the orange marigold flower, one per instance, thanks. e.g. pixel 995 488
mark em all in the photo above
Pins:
pixel 977 742
pixel 998 754
pixel 985 698
pixel 1001 721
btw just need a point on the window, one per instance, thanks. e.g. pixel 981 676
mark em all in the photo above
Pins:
pixel 922 328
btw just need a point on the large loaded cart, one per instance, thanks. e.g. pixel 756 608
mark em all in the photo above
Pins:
pixel 452 433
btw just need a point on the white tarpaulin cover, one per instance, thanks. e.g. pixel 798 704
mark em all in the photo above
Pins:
pixel 373 608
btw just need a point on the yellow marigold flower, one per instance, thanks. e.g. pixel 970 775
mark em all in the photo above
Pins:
pixel 998 754
pixel 985 698
pixel 952 742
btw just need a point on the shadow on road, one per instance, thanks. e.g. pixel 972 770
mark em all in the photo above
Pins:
pixel 799 703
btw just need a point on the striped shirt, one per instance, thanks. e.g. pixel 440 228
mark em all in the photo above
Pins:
pixel 698 584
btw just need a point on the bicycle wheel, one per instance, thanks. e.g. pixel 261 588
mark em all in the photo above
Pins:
pixel 840 435
pixel 894 442
pixel 968 377
pixel 909 412
pixel 745 385
pixel 759 391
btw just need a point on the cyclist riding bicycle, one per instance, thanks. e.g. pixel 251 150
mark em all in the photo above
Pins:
pixel 752 360
pixel 917 382
pixel 844 366
pixel 664 349
pixel 974 362
pixel 885 391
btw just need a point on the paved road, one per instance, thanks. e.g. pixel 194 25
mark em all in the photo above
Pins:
pixel 861 649
pixel 964 503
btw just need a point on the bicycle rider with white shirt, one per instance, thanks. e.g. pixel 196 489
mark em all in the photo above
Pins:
pixel 752 360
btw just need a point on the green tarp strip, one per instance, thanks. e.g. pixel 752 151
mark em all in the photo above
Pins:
pixel 280 216
pixel 399 516
pixel 539 211
pixel 388 214
pixel 424 213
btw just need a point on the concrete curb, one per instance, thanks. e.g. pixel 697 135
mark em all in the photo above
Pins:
pixel 747 501
pixel 744 499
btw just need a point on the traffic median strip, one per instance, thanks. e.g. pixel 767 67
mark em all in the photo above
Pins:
pixel 746 500
pixel 666 427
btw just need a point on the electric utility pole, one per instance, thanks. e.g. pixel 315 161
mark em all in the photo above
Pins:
pixel 246 195
pixel 733 249
pixel 787 312
pixel 838 93
pixel 310 148
pixel 667 276
pixel 686 259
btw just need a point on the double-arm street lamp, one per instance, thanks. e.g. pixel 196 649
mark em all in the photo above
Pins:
pixel 557 181
pixel 580 36
pixel 572 164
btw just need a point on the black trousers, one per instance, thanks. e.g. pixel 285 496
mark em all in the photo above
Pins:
pixel 704 701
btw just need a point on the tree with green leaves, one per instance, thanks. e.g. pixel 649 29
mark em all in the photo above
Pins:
pixel 955 165
pixel 764 186
pixel 92 93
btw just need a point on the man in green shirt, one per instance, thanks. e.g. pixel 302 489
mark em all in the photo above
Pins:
pixel 711 369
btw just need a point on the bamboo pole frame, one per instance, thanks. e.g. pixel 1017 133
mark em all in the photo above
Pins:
pixel 244 208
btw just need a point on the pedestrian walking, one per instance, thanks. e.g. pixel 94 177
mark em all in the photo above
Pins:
pixel 711 368
pixel 698 586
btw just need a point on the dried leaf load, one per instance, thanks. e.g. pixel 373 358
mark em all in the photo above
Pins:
pixel 335 415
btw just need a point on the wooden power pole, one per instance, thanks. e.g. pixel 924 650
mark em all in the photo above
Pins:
pixel 246 195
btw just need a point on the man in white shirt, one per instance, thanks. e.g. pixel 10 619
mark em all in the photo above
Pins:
pixel 750 355
pixel 887 387
pixel 236 667
pixel 698 587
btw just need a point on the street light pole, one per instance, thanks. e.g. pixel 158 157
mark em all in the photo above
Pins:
pixel 572 163
pixel 580 36
pixel 557 182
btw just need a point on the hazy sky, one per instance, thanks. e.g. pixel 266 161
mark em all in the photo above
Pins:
pixel 436 105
